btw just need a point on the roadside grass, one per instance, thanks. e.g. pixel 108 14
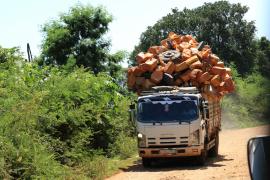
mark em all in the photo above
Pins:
pixel 116 164
pixel 101 167
pixel 123 154
pixel 238 120
pixel 249 106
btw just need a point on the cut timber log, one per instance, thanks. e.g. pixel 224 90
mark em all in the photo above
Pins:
pixel 229 71
pixel 186 54
pixel 139 81
pixel 178 82
pixel 213 59
pixel 182 66
pixel 192 60
pixel 142 57
pixel 204 77
pixel 215 81
pixel 138 71
pixel 147 84
pixel 194 72
pixel 156 50
pixel 217 70
pixel 181 61
pixel 229 84
pixel 220 64
pixel 131 81
pixel 186 76
pixel 196 65
pixel 149 65
pixel 157 75
pixel 169 67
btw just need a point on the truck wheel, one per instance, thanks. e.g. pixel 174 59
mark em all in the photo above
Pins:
pixel 213 152
pixel 202 158
pixel 146 162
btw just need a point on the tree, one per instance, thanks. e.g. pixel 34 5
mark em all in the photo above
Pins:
pixel 79 34
pixel 10 55
pixel 263 56
pixel 220 24
pixel 52 116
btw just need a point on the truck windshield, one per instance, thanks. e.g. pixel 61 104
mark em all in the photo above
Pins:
pixel 169 111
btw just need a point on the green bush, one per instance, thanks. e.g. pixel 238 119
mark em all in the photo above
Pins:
pixel 250 104
pixel 23 155
pixel 96 167
pixel 53 119
pixel 124 146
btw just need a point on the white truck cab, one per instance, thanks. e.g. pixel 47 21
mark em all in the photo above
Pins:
pixel 175 122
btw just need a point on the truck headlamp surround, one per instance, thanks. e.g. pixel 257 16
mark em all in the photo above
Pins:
pixel 140 136
pixel 195 137
pixel 141 140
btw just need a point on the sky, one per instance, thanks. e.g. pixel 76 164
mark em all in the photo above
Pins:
pixel 21 21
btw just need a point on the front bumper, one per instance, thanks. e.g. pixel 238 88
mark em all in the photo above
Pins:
pixel 170 152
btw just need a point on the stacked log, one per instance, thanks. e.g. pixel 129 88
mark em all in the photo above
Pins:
pixel 181 61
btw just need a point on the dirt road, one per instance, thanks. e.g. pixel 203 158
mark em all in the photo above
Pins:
pixel 230 164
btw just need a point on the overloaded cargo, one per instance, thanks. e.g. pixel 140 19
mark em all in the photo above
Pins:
pixel 181 61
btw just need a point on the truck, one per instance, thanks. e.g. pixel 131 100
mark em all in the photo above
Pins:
pixel 176 122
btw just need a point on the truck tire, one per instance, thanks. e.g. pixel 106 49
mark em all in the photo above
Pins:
pixel 146 162
pixel 202 158
pixel 204 154
pixel 213 152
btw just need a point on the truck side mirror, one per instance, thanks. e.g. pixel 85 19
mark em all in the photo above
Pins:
pixel 132 113
pixel 205 110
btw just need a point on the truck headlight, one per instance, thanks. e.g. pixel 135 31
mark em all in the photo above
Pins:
pixel 195 137
pixel 141 140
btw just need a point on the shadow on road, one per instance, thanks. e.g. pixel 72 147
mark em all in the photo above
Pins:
pixel 176 164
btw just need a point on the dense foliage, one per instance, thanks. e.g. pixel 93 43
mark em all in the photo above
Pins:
pixel 220 24
pixel 79 35
pixel 250 104
pixel 263 56
pixel 53 119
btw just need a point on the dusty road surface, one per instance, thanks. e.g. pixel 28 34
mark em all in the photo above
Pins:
pixel 230 164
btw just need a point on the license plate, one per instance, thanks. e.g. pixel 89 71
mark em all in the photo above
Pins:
pixel 169 151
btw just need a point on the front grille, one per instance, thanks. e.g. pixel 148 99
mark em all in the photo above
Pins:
pixel 167 141
pixel 168 146
pixel 167 138
pixel 184 137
